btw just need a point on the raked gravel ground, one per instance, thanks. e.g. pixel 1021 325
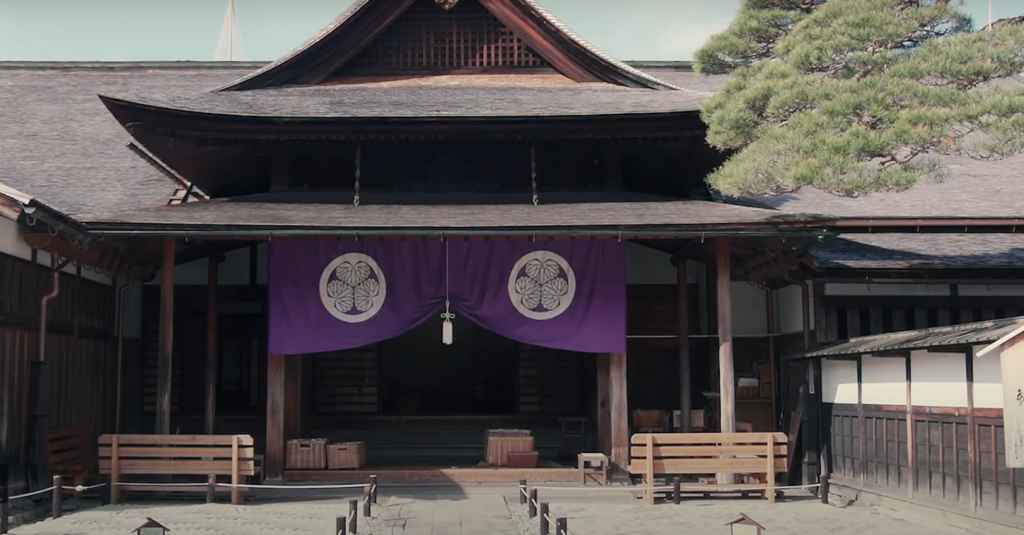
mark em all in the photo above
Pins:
pixel 803 517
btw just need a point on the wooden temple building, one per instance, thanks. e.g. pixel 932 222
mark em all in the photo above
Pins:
pixel 159 221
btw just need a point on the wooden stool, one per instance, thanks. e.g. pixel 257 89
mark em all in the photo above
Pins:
pixel 598 467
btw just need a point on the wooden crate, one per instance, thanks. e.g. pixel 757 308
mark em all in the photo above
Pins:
pixel 306 454
pixel 498 448
pixel 346 456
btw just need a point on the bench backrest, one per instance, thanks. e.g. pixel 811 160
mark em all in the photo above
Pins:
pixel 68 450
pixel 707 453
pixel 177 454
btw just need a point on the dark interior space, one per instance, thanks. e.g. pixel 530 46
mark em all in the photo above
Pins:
pixel 476 375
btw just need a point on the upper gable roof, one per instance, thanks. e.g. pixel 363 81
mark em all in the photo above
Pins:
pixel 362 23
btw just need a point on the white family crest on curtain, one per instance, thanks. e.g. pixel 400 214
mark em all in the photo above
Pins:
pixel 541 285
pixel 353 288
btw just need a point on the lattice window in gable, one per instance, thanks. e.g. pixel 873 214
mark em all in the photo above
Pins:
pixel 429 38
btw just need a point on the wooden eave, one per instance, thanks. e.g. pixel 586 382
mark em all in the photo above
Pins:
pixel 354 30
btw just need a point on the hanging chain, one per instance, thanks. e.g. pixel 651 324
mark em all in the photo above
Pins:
pixel 533 173
pixel 359 172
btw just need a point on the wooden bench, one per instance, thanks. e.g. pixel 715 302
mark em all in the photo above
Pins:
pixel 694 454
pixel 171 455
pixel 69 455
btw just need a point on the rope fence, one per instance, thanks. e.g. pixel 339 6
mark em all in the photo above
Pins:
pixel 346 525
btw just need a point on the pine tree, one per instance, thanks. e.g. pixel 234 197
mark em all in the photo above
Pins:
pixel 855 96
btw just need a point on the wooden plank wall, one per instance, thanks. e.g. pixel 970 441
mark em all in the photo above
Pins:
pixel 550 381
pixel 940 467
pixel 347 381
pixel 80 349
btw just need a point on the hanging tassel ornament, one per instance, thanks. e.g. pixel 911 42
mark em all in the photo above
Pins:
pixel 447 316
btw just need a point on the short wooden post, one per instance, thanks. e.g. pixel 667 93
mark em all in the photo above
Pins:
pixel 115 469
pixel 339 526
pixel 3 499
pixel 543 518
pixel 823 489
pixel 236 492
pixel 770 476
pixel 353 516
pixel 522 492
pixel 675 490
pixel 649 472
pixel 373 489
pixel 366 501
pixel 561 526
pixel 211 489
pixel 533 503
pixel 57 506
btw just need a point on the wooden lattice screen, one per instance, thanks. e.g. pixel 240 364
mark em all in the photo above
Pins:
pixel 429 38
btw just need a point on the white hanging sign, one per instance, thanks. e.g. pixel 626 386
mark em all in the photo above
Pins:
pixel 1012 364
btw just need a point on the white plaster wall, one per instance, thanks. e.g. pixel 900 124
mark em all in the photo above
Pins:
pixel 988 381
pixel 938 379
pixel 233 270
pixel 994 289
pixel 11 242
pixel 133 311
pixel 650 266
pixel 885 380
pixel 886 289
pixel 839 381
pixel 789 312
pixel 749 309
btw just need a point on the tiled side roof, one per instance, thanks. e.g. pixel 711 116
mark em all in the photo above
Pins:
pixel 59 143
pixel 922 251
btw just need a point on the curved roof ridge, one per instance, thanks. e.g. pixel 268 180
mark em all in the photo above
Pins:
pixel 601 65
pixel 331 27
pixel 592 49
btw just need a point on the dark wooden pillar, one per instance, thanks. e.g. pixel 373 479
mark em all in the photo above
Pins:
pixel 618 399
pixel 166 342
pixel 727 381
pixel 972 437
pixel 293 397
pixel 274 455
pixel 805 302
pixel 772 360
pixel 685 384
pixel 911 442
pixel 211 345
pixel 604 406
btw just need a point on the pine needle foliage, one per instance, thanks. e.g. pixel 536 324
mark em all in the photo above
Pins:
pixel 857 96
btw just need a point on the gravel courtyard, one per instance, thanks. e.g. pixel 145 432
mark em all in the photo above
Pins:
pixel 492 510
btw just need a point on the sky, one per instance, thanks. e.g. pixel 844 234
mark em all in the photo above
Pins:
pixel 160 30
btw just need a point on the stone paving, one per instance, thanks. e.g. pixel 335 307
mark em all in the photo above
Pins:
pixel 484 509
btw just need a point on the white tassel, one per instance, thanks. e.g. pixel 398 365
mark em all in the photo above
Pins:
pixel 446 332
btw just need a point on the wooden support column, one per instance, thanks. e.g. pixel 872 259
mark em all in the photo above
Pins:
pixel 166 342
pixel 618 400
pixel 911 462
pixel 685 384
pixel 972 438
pixel 293 397
pixel 274 455
pixel 604 406
pixel 211 345
pixel 726 375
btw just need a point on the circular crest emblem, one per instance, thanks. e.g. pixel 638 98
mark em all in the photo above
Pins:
pixel 541 285
pixel 353 288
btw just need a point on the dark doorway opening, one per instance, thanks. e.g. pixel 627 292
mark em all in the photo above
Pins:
pixel 474 376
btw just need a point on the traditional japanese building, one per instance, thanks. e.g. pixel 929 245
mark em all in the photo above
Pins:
pixel 283 240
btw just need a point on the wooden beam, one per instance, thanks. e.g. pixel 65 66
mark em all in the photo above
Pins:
pixel 604 407
pixel 911 447
pixel 805 304
pixel 293 397
pixel 972 437
pixel 166 340
pixel 618 399
pixel 211 345
pixel 685 384
pixel 726 374
pixel 274 454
